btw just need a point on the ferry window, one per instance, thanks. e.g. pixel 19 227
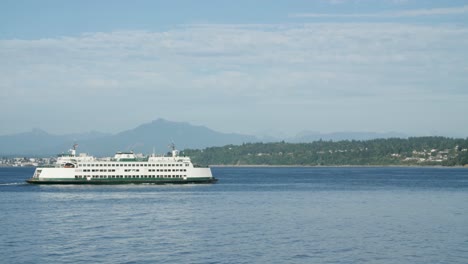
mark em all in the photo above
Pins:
pixel 186 165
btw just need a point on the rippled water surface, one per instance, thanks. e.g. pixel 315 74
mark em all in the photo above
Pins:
pixel 252 215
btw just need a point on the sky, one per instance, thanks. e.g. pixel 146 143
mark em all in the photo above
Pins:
pixel 254 67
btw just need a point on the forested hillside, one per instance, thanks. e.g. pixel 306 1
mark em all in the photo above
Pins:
pixel 394 151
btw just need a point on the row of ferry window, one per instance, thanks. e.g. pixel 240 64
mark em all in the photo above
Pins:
pixel 101 170
pixel 128 176
pixel 133 165
pixel 134 170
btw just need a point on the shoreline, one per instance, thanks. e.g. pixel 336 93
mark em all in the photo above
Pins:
pixel 334 166
pixel 304 166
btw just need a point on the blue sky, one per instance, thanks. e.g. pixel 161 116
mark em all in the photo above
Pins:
pixel 256 67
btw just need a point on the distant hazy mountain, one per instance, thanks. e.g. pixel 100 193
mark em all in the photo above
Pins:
pixel 156 135
pixel 39 142
pixel 309 136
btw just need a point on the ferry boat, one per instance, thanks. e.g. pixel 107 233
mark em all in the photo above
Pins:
pixel 123 168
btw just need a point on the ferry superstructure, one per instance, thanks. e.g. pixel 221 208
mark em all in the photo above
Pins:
pixel 123 168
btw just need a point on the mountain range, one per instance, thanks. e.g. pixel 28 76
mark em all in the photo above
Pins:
pixel 154 136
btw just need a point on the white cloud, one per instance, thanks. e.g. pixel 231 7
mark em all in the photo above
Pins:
pixel 209 73
pixel 393 14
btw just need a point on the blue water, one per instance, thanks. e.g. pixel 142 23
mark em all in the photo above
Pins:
pixel 252 215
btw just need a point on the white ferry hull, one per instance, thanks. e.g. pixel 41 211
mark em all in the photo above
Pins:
pixel 69 176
